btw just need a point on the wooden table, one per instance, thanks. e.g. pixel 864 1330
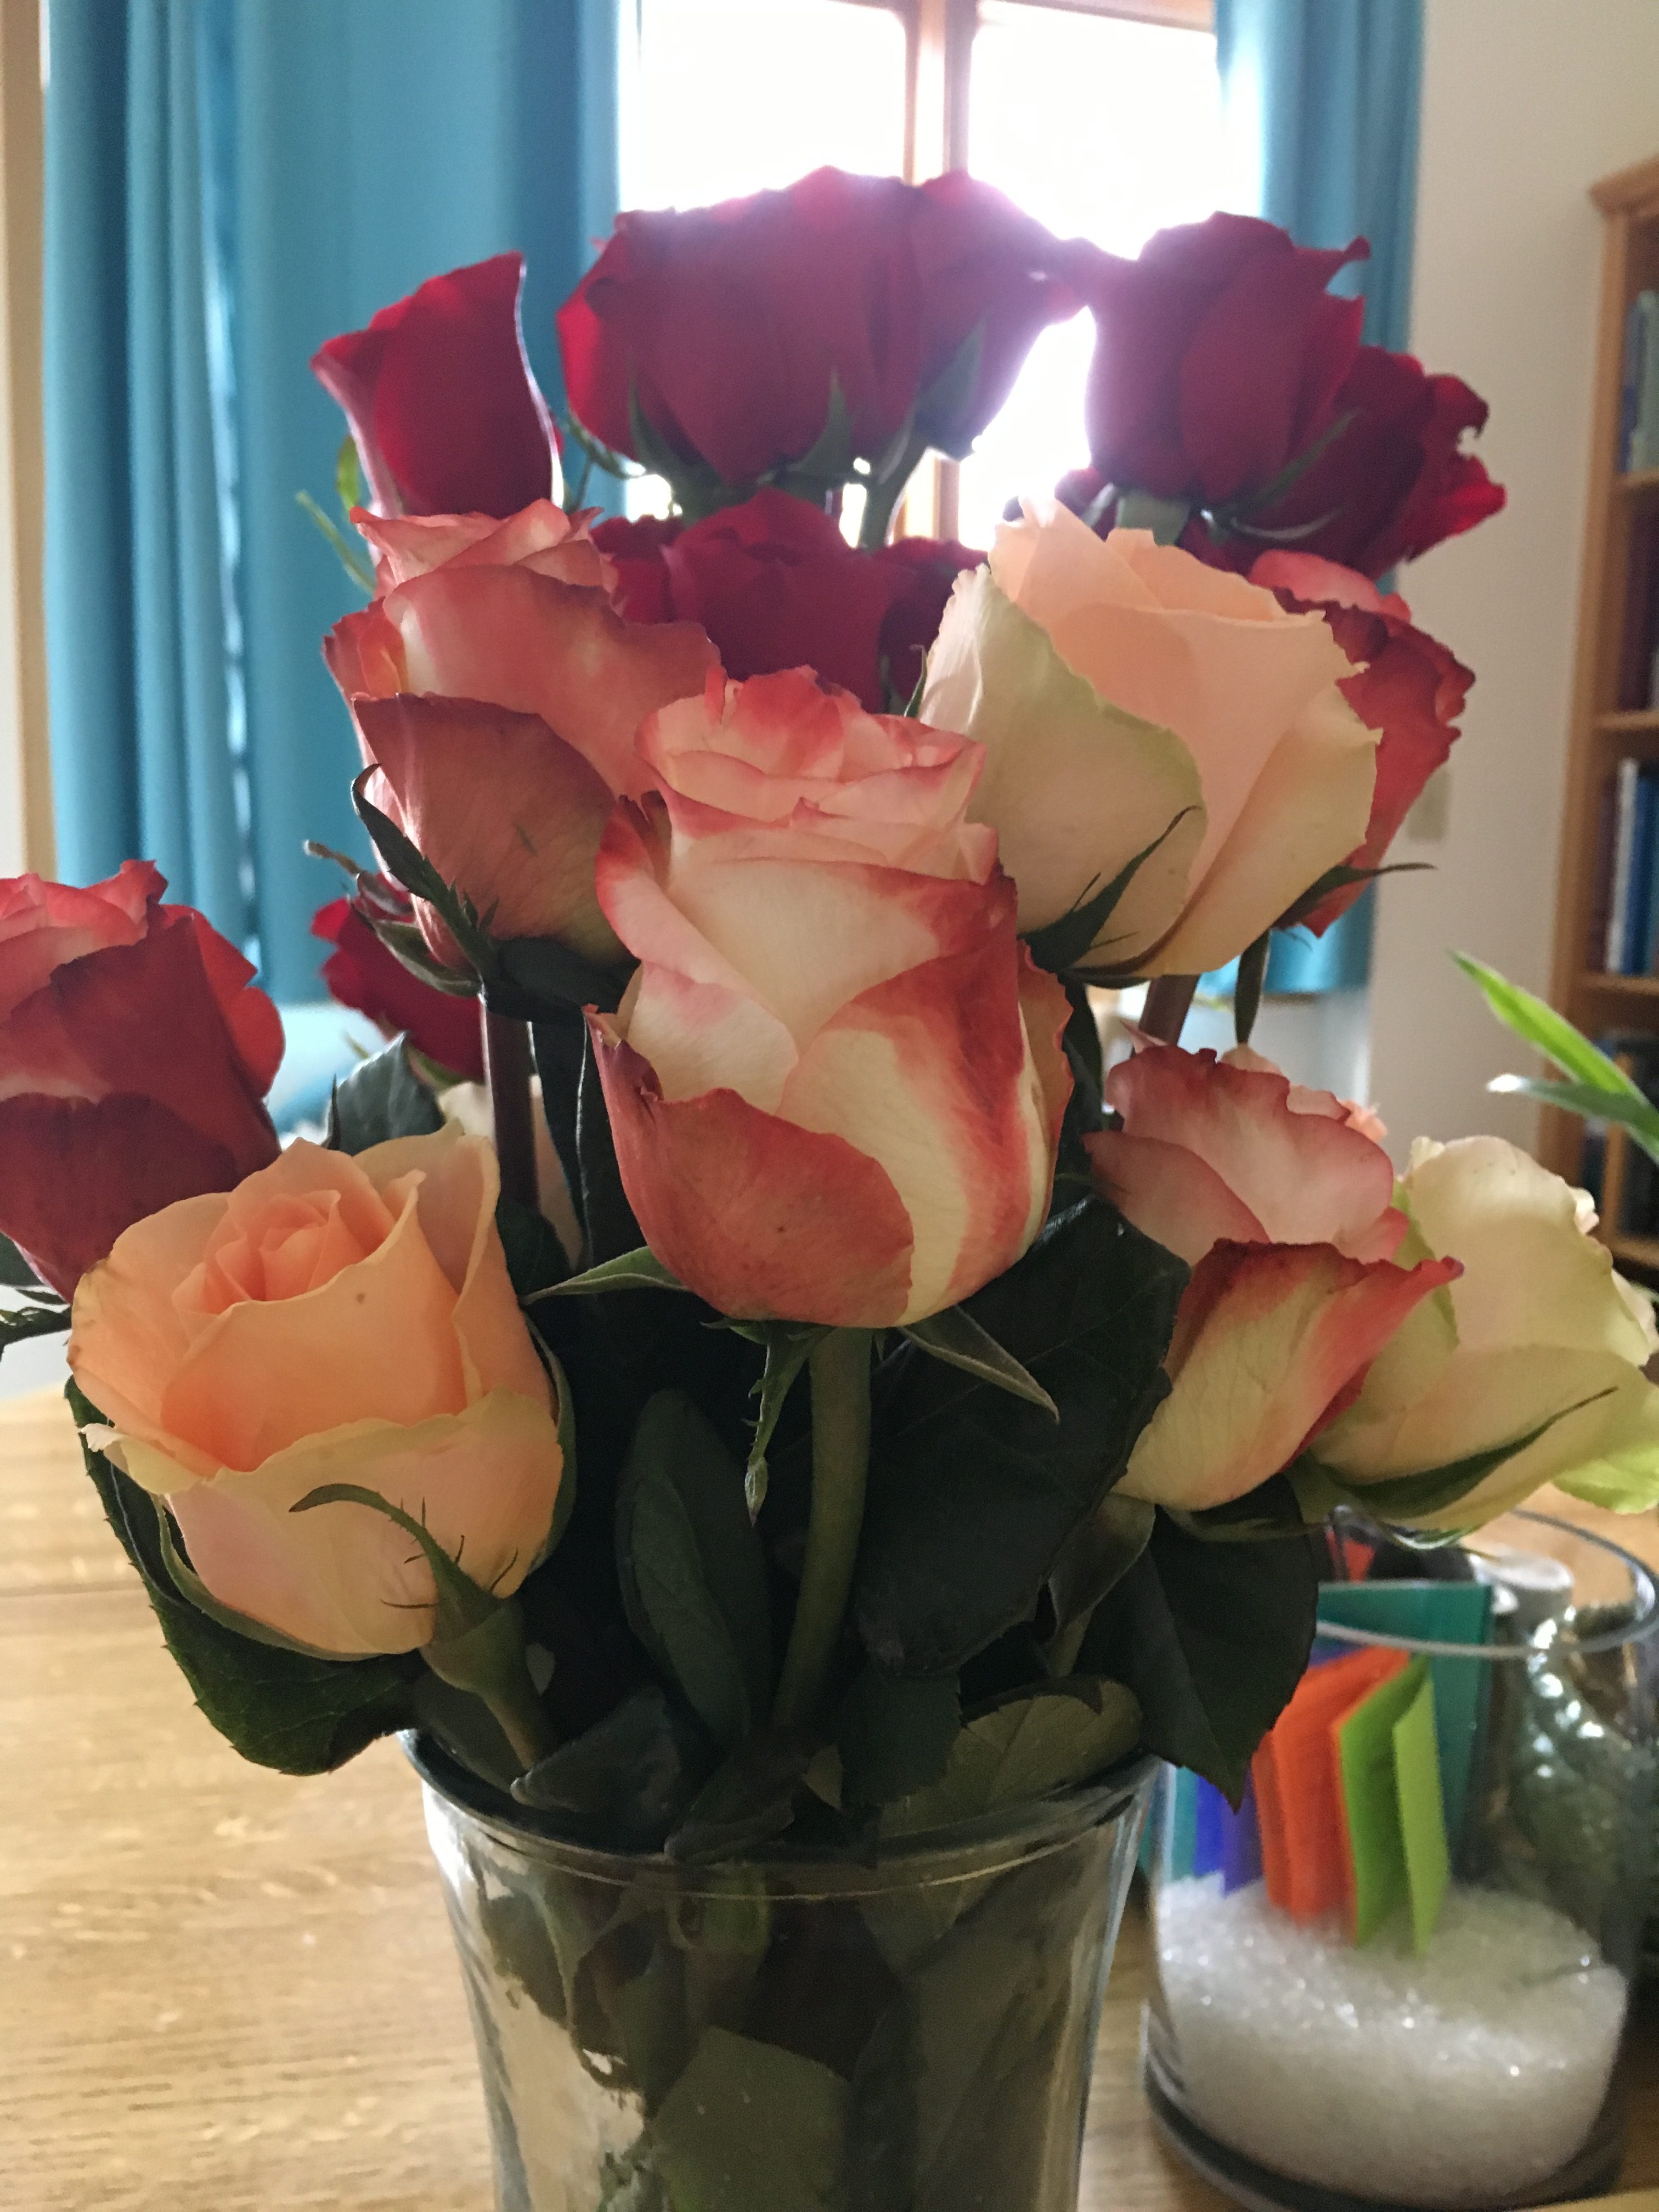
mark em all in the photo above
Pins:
pixel 225 1990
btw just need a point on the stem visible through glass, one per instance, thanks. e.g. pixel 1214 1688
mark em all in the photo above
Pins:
pixel 840 1368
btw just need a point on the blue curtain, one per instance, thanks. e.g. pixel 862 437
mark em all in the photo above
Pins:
pixel 1320 102
pixel 228 183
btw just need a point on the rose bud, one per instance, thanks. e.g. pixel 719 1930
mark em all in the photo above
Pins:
pixel 1406 687
pixel 497 692
pixel 446 417
pixel 835 1083
pixel 776 585
pixel 726 326
pixel 1284 1211
pixel 134 1056
pixel 1126 694
pixel 1543 1340
pixel 366 975
pixel 332 1320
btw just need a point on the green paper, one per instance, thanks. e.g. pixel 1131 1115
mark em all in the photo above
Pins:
pixel 1365 1762
pixel 1422 1812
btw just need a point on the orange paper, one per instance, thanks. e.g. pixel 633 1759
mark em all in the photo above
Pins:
pixel 1298 1788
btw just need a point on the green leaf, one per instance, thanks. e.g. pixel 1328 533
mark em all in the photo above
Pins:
pixel 1552 1033
pixel 1064 945
pixel 16 1273
pixel 1212 1653
pixel 1337 879
pixel 1246 991
pixel 536 1260
pixel 380 1099
pixel 279 1709
pixel 827 461
pixel 533 977
pixel 750 2127
pixel 1405 1498
pixel 949 399
pixel 788 1347
pixel 349 475
pixel 1024 1748
pixel 973 1492
pixel 631 1778
pixel 957 1338
pixel 895 1734
pixel 349 557
pixel 693 1575
pixel 632 1271
pixel 751 1800
pixel 42 1318
pixel 1639 1116
pixel 1143 510
pixel 405 860
pixel 1094 1558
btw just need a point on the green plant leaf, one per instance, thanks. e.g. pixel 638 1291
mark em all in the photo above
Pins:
pixel 749 1799
pixel 349 475
pixel 1212 1653
pixel 750 2127
pixel 949 399
pixel 1337 879
pixel 1553 1035
pixel 533 977
pixel 1021 1748
pixel 957 1338
pixel 1638 1114
pixel 380 1099
pixel 1143 510
pixel 279 1709
pixel 788 1346
pixel 1246 991
pixel 405 860
pixel 16 1273
pixel 632 1271
pixel 973 1492
pixel 827 461
pixel 1061 947
pixel 895 1735
pixel 349 557
pixel 46 1317
pixel 692 1573
pixel 631 1778
pixel 1094 1558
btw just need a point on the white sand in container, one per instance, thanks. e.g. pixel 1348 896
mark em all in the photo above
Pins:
pixel 1453 2079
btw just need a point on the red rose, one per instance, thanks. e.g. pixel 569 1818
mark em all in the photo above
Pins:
pixel 776 585
pixel 1393 483
pixel 365 975
pixel 1408 687
pixel 726 326
pixel 445 411
pixel 134 1058
pixel 1218 357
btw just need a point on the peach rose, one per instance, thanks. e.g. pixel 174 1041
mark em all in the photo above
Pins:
pixel 1283 1212
pixel 835 1083
pixel 497 692
pixel 332 1320
pixel 1120 687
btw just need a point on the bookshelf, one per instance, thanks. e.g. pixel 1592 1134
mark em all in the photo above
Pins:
pixel 1608 727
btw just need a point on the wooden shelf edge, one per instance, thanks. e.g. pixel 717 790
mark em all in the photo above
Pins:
pixel 1629 719
pixel 1640 1251
pixel 1638 481
pixel 1627 987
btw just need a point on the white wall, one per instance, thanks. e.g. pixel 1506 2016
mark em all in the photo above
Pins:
pixel 1525 103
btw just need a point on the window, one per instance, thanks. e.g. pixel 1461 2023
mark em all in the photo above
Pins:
pixel 1101 117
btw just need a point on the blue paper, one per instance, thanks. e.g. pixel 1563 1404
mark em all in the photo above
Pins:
pixel 1211 1814
pixel 1241 1844
pixel 1437 1612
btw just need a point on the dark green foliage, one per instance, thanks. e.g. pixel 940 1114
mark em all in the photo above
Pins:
pixel 382 1099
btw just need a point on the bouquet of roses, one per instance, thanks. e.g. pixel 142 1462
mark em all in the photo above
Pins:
pixel 914 1413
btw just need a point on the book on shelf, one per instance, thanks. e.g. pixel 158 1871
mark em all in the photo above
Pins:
pixel 1640 636
pixel 1639 426
pixel 1625 939
pixel 1629 1199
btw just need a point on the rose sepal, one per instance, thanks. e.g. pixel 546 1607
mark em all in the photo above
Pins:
pixel 629 1271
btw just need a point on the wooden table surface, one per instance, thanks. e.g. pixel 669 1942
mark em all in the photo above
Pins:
pixel 223 1990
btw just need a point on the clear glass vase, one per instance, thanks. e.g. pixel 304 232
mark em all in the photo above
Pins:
pixel 1467 2063
pixel 788 2033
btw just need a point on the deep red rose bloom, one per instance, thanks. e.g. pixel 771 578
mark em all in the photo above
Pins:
pixel 365 975
pixel 776 585
pixel 1219 354
pixel 446 413
pixel 134 1059
pixel 1391 484
pixel 1408 687
pixel 727 324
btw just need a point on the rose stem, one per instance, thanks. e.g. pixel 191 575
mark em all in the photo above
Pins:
pixel 517 1713
pixel 840 1368
pixel 507 1067
pixel 1168 998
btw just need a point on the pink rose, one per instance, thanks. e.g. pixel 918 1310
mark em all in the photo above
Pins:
pixel 1409 688
pixel 1284 1214
pixel 835 1083
pixel 332 1320
pixel 497 692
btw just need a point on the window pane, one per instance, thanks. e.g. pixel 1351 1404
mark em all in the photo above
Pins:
pixel 1103 129
pixel 733 96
